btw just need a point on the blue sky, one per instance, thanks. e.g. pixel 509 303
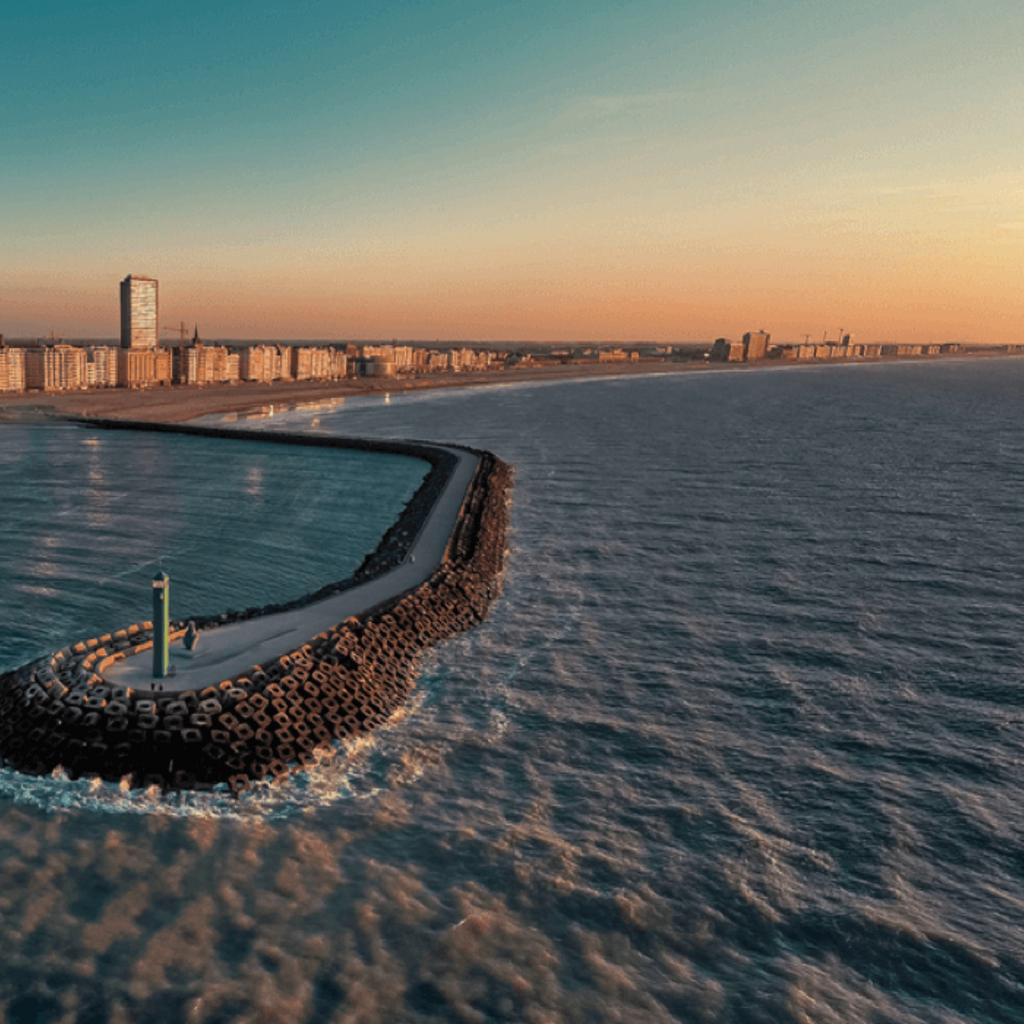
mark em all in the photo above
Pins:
pixel 514 170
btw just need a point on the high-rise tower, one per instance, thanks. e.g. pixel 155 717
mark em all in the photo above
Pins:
pixel 755 344
pixel 139 326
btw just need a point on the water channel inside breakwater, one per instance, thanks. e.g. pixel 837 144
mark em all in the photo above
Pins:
pixel 89 516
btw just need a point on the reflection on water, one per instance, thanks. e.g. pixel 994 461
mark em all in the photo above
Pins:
pixel 741 742
pixel 254 480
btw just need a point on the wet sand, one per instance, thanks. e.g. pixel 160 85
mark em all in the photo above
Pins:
pixel 179 403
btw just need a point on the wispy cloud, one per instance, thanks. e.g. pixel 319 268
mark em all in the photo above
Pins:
pixel 989 196
pixel 936 190
pixel 594 108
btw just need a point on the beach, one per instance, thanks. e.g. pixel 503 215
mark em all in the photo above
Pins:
pixel 179 403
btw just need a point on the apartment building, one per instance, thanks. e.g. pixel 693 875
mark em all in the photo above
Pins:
pixel 12 369
pixel 140 327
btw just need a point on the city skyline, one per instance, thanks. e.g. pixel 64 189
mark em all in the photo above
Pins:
pixel 474 173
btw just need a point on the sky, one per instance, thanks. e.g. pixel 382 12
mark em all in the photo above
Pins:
pixel 516 171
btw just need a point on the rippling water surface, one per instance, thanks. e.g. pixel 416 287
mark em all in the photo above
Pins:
pixel 742 741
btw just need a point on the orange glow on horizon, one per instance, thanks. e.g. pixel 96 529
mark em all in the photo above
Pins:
pixel 915 286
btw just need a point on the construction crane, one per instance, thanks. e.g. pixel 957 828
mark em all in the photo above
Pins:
pixel 181 331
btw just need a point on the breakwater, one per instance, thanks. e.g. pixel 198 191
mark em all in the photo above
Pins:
pixel 279 716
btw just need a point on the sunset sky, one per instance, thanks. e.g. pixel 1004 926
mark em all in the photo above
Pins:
pixel 518 170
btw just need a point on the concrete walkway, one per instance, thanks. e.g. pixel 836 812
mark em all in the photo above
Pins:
pixel 228 650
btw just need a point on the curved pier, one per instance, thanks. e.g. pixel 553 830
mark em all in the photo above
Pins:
pixel 265 688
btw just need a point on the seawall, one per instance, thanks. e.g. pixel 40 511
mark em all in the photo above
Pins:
pixel 280 715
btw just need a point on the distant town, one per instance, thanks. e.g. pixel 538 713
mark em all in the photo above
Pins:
pixel 144 360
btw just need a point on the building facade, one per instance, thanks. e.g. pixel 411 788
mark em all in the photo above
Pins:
pixel 316 362
pixel 755 345
pixel 259 363
pixel 205 364
pixel 12 368
pixel 56 368
pixel 102 366
pixel 143 367
pixel 139 312
pixel 726 351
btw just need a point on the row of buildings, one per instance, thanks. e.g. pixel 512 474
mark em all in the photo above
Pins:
pixel 57 367
pixel 832 350
pixel 142 361
pixel 64 367
pixel 756 345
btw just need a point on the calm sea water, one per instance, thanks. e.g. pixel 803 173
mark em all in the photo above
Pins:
pixel 743 741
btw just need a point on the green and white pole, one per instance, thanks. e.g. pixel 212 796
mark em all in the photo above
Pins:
pixel 161 624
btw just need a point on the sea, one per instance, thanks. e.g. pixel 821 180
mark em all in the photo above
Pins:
pixel 742 740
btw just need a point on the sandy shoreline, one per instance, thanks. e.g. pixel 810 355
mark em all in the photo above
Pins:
pixel 180 403
pixel 177 404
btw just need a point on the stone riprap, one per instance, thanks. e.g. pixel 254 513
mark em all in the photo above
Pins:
pixel 270 720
